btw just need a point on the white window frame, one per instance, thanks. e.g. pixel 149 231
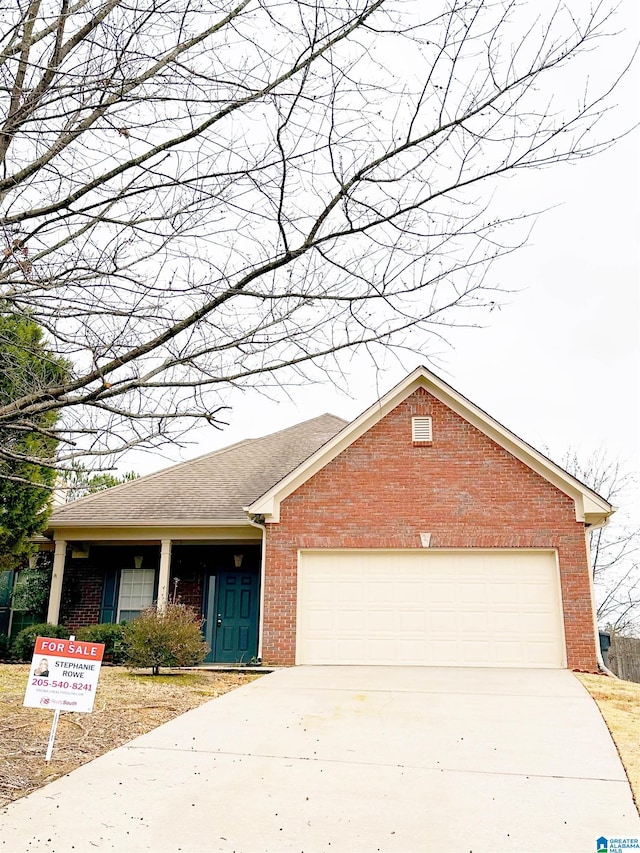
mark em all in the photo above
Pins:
pixel 126 597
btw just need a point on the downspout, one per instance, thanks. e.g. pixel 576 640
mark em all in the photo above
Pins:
pixel 587 535
pixel 263 571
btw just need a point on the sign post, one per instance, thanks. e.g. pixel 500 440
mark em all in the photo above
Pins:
pixel 64 677
pixel 52 735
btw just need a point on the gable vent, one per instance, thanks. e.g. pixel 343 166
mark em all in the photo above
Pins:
pixel 421 429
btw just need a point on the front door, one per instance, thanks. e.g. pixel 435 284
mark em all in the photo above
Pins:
pixel 231 627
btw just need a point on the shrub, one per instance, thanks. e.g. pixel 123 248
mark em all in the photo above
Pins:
pixel 22 646
pixel 31 592
pixel 4 647
pixel 111 635
pixel 170 637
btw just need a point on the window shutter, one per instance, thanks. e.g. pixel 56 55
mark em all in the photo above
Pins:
pixel 110 589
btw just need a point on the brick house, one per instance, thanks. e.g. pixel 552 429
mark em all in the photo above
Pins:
pixel 424 532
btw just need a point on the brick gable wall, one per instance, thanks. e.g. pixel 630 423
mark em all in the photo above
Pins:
pixel 464 489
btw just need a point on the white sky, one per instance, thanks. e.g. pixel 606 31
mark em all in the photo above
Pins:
pixel 559 362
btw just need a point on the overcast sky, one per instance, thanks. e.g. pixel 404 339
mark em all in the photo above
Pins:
pixel 559 362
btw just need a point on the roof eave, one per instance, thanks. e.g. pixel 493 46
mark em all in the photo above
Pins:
pixel 148 524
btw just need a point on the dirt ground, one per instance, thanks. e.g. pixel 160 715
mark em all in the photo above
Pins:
pixel 619 703
pixel 126 705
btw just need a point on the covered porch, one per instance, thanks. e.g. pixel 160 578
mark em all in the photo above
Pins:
pixel 111 575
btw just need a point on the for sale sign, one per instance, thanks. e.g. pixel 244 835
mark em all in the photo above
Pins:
pixel 64 675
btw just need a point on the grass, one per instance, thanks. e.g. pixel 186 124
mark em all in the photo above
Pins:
pixel 126 705
pixel 619 703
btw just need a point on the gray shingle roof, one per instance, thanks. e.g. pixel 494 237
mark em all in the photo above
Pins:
pixel 215 486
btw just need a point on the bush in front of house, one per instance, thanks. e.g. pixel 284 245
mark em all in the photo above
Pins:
pixel 5 643
pixel 111 634
pixel 23 644
pixel 31 591
pixel 168 637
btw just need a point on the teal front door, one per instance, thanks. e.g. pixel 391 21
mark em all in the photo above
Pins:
pixel 231 627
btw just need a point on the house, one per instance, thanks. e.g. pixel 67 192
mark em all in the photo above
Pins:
pixel 424 532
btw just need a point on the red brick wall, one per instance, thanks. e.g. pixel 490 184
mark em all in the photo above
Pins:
pixel 189 589
pixel 85 592
pixel 85 588
pixel 463 488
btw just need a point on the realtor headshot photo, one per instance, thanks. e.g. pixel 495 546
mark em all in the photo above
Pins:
pixel 42 669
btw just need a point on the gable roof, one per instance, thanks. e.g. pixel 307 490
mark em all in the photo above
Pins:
pixel 590 507
pixel 252 477
pixel 211 489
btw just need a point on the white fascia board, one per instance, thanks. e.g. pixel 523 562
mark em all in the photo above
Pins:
pixel 585 500
pixel 589 506
pixel 233 531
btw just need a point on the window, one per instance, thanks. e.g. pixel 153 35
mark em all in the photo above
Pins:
pixel 421 429
pixel 136 592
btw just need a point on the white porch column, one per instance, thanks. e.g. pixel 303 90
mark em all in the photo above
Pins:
pixel 57 576
pixel 165 570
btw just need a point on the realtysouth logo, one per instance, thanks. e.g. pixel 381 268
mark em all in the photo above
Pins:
pixel 602 845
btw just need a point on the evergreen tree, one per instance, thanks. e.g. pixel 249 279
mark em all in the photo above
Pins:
pixel 26 478
pixel 80 481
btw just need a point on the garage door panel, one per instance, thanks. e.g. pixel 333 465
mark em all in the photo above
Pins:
pixel 319 648
pixel 444 653
pixel 353 648
pixel 540 653
pixel 380 649
pixel 409 652
pixel 321 590
pixel 536 594
pixel 507 622
pixel 409 595
pixel 510 652
pixel 319 620
pixel 351 591
pixel 441 591
pixel 473 624
pixel 474 608
pixel 442 621
pixel 507 594
pixel 475 653
pixel 537 624
pixel 375 592
pixel 344 621
pixel 470 592
pixel 414 621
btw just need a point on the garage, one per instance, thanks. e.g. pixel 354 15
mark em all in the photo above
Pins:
pixel 423 532
pixel 430 608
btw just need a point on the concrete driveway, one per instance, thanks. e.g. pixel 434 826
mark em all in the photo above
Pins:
pixel 349 759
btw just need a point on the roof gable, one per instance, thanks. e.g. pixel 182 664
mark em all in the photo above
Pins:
pixel 590 507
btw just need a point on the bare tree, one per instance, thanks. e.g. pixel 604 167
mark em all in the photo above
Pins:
pixel 197 194
pixel 615 548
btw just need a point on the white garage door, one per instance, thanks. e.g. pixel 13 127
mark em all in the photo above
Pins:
pixel 430 608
